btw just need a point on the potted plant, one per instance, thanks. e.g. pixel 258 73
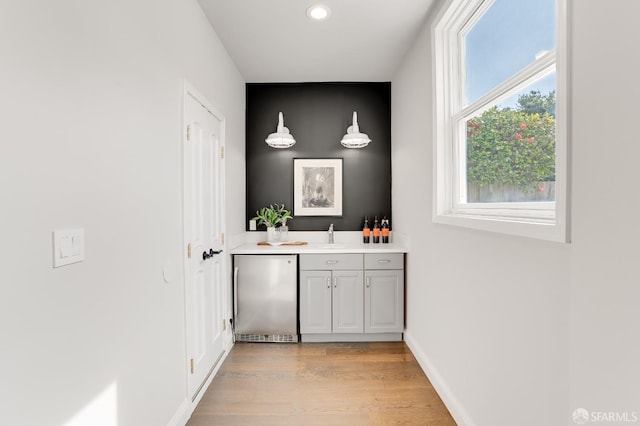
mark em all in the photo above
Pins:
pixel 272 216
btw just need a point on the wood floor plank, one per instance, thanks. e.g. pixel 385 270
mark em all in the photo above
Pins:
pixel 321 384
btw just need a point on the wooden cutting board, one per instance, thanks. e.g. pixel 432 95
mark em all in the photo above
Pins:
pixel 283 243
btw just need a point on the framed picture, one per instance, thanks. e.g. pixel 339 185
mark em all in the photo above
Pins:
pixel 317 187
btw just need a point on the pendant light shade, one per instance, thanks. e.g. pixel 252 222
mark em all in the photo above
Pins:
pixel 353 138
pixel 281 138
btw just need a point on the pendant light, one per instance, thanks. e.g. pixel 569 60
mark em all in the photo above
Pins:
pixel 281 138
pixel 353 138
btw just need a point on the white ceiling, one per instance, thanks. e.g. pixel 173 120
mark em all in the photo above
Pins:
pixel 275 41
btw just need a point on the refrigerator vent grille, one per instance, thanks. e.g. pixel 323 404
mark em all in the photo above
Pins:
pixel 274 338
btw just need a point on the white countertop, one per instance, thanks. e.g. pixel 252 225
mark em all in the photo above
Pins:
pixel 320 248
pixel 345 242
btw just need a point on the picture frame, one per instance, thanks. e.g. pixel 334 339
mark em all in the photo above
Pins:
pixel 317 186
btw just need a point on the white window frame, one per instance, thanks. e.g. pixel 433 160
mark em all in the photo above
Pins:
pixel 543 220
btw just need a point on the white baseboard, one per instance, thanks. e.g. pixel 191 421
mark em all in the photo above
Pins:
pixel 186 409
pixel 182 415
pixel 449 399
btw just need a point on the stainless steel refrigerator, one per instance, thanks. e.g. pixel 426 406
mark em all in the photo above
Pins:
pixel 265 289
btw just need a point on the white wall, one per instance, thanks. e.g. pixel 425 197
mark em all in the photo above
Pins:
pixel 514 330
pixel 90 127
pixel 605 313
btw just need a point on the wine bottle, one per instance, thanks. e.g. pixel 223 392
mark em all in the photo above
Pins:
pixel 385 230
pixel 366 232
pixel 376 231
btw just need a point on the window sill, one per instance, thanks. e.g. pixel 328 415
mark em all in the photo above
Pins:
pixel 530 227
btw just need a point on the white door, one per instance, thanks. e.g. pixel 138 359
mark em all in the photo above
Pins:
pixel 203 238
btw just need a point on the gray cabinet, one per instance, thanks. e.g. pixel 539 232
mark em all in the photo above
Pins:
pixel 331 293
pixel 315 302
pixel 384 293
pixel 345 297
pixel 348 299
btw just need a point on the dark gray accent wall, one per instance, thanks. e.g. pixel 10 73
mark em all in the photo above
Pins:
pixel 317 115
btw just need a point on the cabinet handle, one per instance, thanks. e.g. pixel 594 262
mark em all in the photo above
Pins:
pixel 328 282
pixel 368 282
pixel 335 282
pixel 332 262
pixel 384 261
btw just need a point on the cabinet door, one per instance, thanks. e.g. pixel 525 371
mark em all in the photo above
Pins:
pixel 348 302
pixel 315 302
pixel 384 301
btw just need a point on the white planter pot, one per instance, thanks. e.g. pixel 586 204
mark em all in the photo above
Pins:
pixel 272 235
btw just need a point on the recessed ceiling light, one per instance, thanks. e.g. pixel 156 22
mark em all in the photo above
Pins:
pixel 318 12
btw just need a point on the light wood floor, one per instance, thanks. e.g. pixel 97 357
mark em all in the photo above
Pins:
pixel 320 384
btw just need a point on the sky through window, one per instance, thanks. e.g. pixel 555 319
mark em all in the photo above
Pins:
pixel 506 39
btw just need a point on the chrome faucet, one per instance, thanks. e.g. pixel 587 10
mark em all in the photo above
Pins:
pixel 330 234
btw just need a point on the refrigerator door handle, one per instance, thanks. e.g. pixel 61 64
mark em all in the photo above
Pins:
pixel 235 292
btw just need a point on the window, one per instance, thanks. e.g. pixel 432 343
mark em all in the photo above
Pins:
pixel 501 116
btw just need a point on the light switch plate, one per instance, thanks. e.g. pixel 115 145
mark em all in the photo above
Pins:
pixel 252 225
pixel 68 246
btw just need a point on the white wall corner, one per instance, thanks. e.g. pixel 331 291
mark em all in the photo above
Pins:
pixel 236 240
pixel 401 238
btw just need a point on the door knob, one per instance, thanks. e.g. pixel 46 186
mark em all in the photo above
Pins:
pixel 211 253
